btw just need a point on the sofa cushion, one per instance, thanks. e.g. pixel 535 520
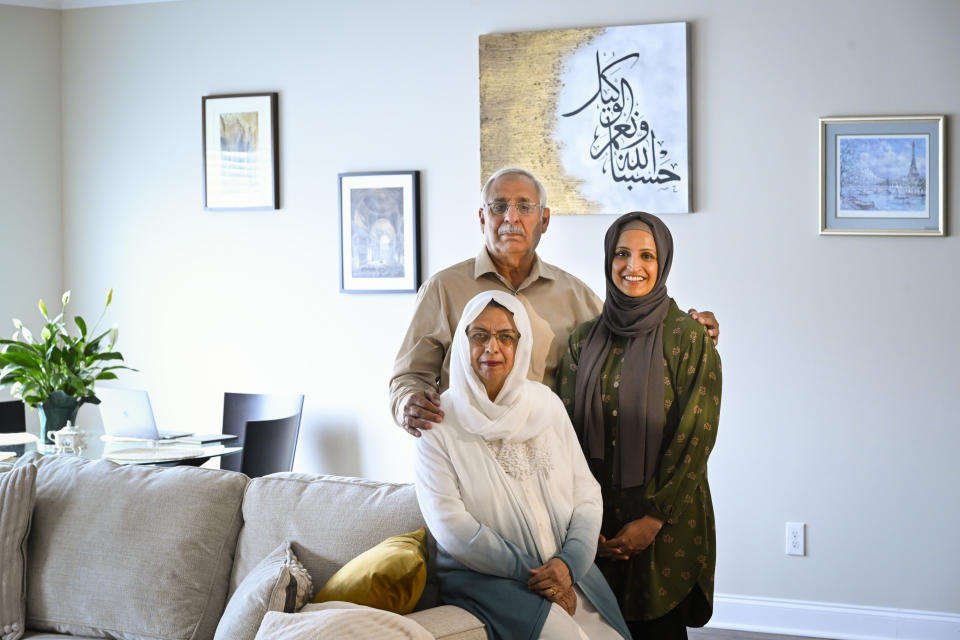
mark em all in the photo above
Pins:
pixel 17 494
pixel 278 583
pixel 448 622
pixel 340 621
pixel 329 519
pixel 390 576
pixel 130 552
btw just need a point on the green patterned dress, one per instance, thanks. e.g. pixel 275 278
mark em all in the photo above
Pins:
pixel 683 555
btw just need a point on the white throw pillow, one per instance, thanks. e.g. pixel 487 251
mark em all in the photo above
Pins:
pixel 340 621
pixel 18 491
pixel 278 583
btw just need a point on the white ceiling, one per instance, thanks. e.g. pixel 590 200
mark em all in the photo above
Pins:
pixel 76 4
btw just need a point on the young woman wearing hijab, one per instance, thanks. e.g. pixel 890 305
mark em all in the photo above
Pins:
pixel 507 493
pixel 642 385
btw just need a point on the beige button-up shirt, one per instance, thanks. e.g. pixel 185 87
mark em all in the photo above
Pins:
pixel 556 302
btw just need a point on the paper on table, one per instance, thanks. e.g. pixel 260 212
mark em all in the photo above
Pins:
pixel 107 438
pixel 17 437
pixel 154 454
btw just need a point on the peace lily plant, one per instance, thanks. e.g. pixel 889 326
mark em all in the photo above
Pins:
pixel 56 373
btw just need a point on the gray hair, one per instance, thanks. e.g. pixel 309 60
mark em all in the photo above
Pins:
pixel 513 171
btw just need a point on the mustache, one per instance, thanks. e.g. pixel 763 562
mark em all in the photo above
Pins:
pixel 506 228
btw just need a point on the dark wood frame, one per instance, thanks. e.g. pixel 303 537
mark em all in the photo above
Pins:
pixel 404 285
pixel 274 158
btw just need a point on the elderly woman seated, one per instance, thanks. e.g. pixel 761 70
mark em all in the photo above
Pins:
pixel 506 492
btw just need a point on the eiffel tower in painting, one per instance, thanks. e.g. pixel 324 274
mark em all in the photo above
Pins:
pixel 913 176
pixel 913 184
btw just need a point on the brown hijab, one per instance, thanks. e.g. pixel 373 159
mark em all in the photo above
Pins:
pixel 640 414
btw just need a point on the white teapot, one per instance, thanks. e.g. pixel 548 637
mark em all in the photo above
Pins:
pixel 69 439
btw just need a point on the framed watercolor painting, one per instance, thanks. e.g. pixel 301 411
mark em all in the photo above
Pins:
pixel 600 115
pixel 882 175
pixel 240 160
pixel 379 232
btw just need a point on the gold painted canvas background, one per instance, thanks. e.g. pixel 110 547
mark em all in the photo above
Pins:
pixel 518 96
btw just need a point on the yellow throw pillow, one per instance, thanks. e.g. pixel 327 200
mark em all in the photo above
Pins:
pixel 390 576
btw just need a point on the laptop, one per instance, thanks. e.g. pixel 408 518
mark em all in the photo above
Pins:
pixel 127 413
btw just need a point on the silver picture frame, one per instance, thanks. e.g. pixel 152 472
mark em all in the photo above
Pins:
pixel 882 175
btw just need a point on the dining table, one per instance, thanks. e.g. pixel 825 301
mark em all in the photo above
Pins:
pixel 97 445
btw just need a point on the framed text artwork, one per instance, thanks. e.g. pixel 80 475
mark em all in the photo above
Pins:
pixel 882 175
pixel 240 159
pixel 379 231
pixel 599 115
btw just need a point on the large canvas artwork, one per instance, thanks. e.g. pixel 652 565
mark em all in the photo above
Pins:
pixel 600 115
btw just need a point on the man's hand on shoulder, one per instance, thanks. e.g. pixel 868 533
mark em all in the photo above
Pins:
pixel 420 411
pixel 708 320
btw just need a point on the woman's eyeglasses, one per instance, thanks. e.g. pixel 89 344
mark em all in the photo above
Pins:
pixel 480 337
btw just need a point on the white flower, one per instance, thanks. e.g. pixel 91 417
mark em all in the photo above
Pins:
pixel 66 297
pixel 17 324
pixel 45 334
pixel 27 336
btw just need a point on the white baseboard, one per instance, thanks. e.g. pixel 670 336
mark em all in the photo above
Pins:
pixel 827 620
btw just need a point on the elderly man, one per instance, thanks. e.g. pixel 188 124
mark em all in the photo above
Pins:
pixel 513 216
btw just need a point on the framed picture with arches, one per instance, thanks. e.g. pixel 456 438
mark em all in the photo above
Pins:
pixel 379 232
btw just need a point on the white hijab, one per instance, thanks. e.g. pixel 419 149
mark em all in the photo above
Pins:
pixel 512 417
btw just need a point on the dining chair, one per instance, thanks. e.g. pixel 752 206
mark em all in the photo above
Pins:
pixel 270 443
pixel 13 418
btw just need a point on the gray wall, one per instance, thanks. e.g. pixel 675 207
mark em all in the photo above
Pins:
pixel 31 241
pixel 839 352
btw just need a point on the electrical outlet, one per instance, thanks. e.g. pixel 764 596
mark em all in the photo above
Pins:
pixel 795 539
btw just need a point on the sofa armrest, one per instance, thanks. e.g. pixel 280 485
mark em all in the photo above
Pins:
pixel 448 622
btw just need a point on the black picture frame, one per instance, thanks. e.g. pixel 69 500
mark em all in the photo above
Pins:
pixel 241 159
pixel 379 231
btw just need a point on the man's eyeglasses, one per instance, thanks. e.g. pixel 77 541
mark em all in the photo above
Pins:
pixel 501 207
pixel 506 338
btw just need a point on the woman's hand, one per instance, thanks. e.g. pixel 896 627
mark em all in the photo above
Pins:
pixel 633 538
pixel 551 579
pixel 567 600
pixel 604 550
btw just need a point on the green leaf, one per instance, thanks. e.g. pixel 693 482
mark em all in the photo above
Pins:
pixel 19 358
pixel 82 325
pixel 20 347
pixel 118 366
pixel 10 377
pixel 107 375
pixel 107 355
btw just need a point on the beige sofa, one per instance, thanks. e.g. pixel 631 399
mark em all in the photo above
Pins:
pixel 155 553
